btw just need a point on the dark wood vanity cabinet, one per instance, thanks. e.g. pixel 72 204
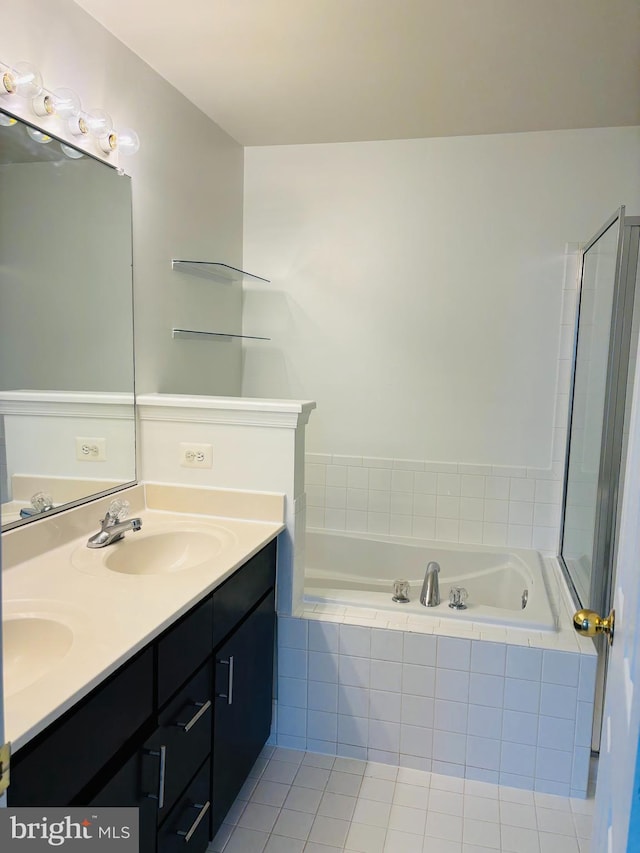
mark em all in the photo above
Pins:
pixel 175 731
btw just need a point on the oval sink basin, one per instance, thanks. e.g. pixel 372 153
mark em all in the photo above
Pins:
pixel 31 645
pixel 163 552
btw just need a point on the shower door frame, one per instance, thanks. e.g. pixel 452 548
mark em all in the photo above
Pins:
pixel 612 441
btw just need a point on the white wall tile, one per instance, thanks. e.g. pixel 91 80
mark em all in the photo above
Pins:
pixel 450 716
pixel 494 534
pixel 357 499
pixel 496 511
pixel 425 482
pixel 402 481
pixel 449 747
pixel 558 701
pixel 401 503
pixel 420 649
pixel 292 663
pixel 380 501
pixel 452 684
pixel 561 668
pixel 353 701
pixel 472 486
pixel 323 667
pixel 418 680
pixel 520 727
pixel 322 725
pixel 384 735
pixel 386 675
pixel 377 522
pixel 587 683
pixel 523 662
pixel 484 721
pixel 387 645
pixel 483 753
pixel 517 758
pixel 417 711
pixel 292 633
pixel 353 730
pixel 486 690
pixel 519 535
pixel 471 509
pixel 447 529
pixel 521 489
pixel 379 479
pixel 496 488
pixel 424 504
pixel 448 484
pixel 322 696
pixel 292 692
pixel 553 765
pixel 355 641
pixel 447 507
pixel 423 528
pixel 336 475
pixel 470 532
pixel 520 512
pixel 453 653
pixel 554 733
pixel 323 636
pixel 384 705
pixel 358 477
pixel 400 525
pixel 354 671
pixel 335 519
pixel 488 658
pixel 521 695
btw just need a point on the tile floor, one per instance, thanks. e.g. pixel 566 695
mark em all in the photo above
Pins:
pixel 297 802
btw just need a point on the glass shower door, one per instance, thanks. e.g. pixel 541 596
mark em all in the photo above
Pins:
pixel 588 424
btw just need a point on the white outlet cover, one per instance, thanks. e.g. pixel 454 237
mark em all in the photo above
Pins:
pixel 195 455
pixel 91 449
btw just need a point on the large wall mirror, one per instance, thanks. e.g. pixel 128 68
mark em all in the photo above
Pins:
pixel 67 425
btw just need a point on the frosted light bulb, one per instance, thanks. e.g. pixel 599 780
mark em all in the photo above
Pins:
pixel 23 79
pixel 99 123
pixel 128 141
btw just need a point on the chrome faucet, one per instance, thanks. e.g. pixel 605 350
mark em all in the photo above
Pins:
pixel 40 502
pixel 113 526
pixel 430 595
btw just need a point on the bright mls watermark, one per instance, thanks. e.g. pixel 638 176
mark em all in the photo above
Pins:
pixel 75 830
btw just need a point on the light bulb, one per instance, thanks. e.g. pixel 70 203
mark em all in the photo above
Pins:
pixel 99 123
pixel 22 79
pixel 63 103
pixel 67 103
pixel 70 152
pixel 38 135
pixel 78 125
pixel 7 121
pixel 128 141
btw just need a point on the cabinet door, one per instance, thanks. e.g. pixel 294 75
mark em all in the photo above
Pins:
pixel 242 719
pixel 136 784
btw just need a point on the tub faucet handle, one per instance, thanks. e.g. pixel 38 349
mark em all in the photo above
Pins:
pixel 400 592
pixel 458 596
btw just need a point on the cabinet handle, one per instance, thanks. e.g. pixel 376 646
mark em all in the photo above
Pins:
pixel 229 694
pixel 203 707
pixel 162 754
pixel 203 810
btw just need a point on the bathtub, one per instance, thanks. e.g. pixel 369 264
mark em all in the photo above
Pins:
pixel 358 570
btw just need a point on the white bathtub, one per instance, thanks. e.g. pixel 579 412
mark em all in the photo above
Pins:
pixel 357 570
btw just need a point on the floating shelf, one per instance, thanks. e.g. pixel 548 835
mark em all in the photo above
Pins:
pixel 215 270
pixel 192 334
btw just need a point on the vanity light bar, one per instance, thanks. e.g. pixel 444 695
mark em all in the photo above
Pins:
pixel 23 80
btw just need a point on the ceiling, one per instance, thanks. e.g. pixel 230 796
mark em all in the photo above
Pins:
pixel 274 72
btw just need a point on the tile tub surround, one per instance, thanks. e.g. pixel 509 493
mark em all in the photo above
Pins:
pixel 450 502
pixel 496 712
pixel 296 802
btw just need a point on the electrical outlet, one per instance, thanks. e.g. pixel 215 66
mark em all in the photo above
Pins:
pixel 196 455
pixel 91 449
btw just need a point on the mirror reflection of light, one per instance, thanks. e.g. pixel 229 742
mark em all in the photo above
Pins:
pixel 7 121
pixel 39 136
pixel 73 153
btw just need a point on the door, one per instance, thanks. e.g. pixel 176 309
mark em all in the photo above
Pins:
pixel 597 422
pixel 242 719
pixel 617 811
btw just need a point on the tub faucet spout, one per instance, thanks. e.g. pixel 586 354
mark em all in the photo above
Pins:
pixel 430 595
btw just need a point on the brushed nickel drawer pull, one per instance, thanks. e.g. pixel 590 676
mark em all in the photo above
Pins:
pixel 203 810
pixel 203 707
pixel 162 755
pixel 229 694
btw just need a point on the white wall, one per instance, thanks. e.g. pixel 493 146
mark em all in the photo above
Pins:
pixel 417 285
pixel 186 184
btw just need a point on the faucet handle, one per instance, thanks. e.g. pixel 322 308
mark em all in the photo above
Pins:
pixel 118 510
pixel 41 501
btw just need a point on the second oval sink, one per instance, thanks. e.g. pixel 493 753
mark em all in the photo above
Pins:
pixel 31 645
pixel 162 552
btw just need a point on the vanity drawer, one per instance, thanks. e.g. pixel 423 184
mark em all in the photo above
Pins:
pixel 242 591
pixel 53 768
pixel 187 827
pixel 184 734
pixel 183 648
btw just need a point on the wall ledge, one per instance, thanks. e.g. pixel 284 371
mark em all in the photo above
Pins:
pixel 238 411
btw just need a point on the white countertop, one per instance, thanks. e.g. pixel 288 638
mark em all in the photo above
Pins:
pixel 112 615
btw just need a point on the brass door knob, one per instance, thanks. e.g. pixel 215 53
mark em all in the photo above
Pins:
pixel 588 623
